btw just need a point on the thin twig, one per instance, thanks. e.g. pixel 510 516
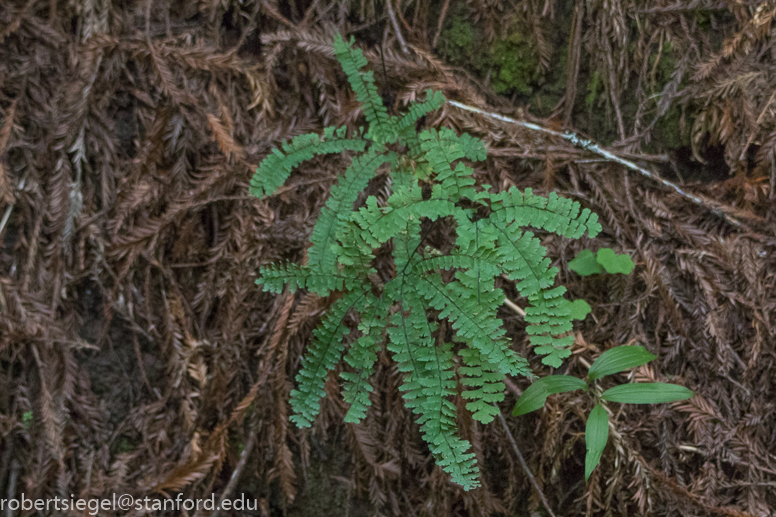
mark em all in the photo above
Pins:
pixel 441 23
pixel 515 307
pixel 592 147
pixel 9 208
pixel 6 216
pixel 237 472
pixel 15 468
pixel 525 465
pixel 274 13
pixel 396 28
pixel 511 386
pixel 572 69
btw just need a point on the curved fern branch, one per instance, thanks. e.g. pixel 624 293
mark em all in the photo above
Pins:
pixel 274 170
pixel 321 356
pixel 338 208
pixel 352 60
pixel 362 356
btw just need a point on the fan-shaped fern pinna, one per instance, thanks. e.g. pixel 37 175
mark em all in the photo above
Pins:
pixel 342 256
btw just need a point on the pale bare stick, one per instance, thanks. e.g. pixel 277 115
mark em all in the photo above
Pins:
pixel 592 147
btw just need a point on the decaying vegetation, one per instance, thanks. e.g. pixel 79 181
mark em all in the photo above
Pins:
pixel 138 356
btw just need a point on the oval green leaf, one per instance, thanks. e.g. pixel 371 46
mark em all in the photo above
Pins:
pixel 647 393
pixel 596 435
pixel 536 394
pixel 579 309
pixel 585 264
pixel 614 263
pixel 618 359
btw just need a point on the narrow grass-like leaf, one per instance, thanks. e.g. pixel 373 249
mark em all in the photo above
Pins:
pixel 618 359
pixel 647 393
pixel 596 434
pixel 536 394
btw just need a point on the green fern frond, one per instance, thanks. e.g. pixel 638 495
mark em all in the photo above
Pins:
pixel 549 323
pixel 490 241
pixel 434 100
pixel 352 60
pixel 554 214
pixel 455 260
pixel 362 356
pixel 274 170
pixel 321 356
pixel 430 385
pixel 547 316
pixel 442 149
pixel 429 382
pixel 487 380
pixel 338 208
pixel 473 148
pixel 380 224
pixel 524 259
pixel 481 330
pixel 275 276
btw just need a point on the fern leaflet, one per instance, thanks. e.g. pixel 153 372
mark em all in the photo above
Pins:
pixel 362 356
pixel 338 208
pixel 352 61
pixel 275 168
pixel 322 356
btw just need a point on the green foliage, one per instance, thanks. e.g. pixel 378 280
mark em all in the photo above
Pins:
pixel 594 88
pixel 647 393
pixel 614 263
pixel 274 170
pixel 27 419
pixel 516 61
pixel 579 309
pixel 586 263
pixel 612 361
pixel 510 61
pixel 618 359
pixel 596 436
pixel 490 241
pixel 536 395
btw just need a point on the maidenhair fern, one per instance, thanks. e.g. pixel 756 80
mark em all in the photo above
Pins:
pixel 491 240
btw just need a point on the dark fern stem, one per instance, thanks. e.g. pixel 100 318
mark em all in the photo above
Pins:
pixel 389 98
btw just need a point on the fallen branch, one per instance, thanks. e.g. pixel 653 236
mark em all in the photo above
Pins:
pixel 10 206
pixel 237 472
pixel 592 147
pixel 396 28
pixel 441 23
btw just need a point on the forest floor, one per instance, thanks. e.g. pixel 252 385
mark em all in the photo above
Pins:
pixel 138 356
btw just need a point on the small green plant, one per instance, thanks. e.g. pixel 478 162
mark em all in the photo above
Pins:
pixel 612 361
pixel 427 284
pixel 586 263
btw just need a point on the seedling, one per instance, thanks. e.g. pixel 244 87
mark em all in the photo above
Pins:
pixel 614 360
